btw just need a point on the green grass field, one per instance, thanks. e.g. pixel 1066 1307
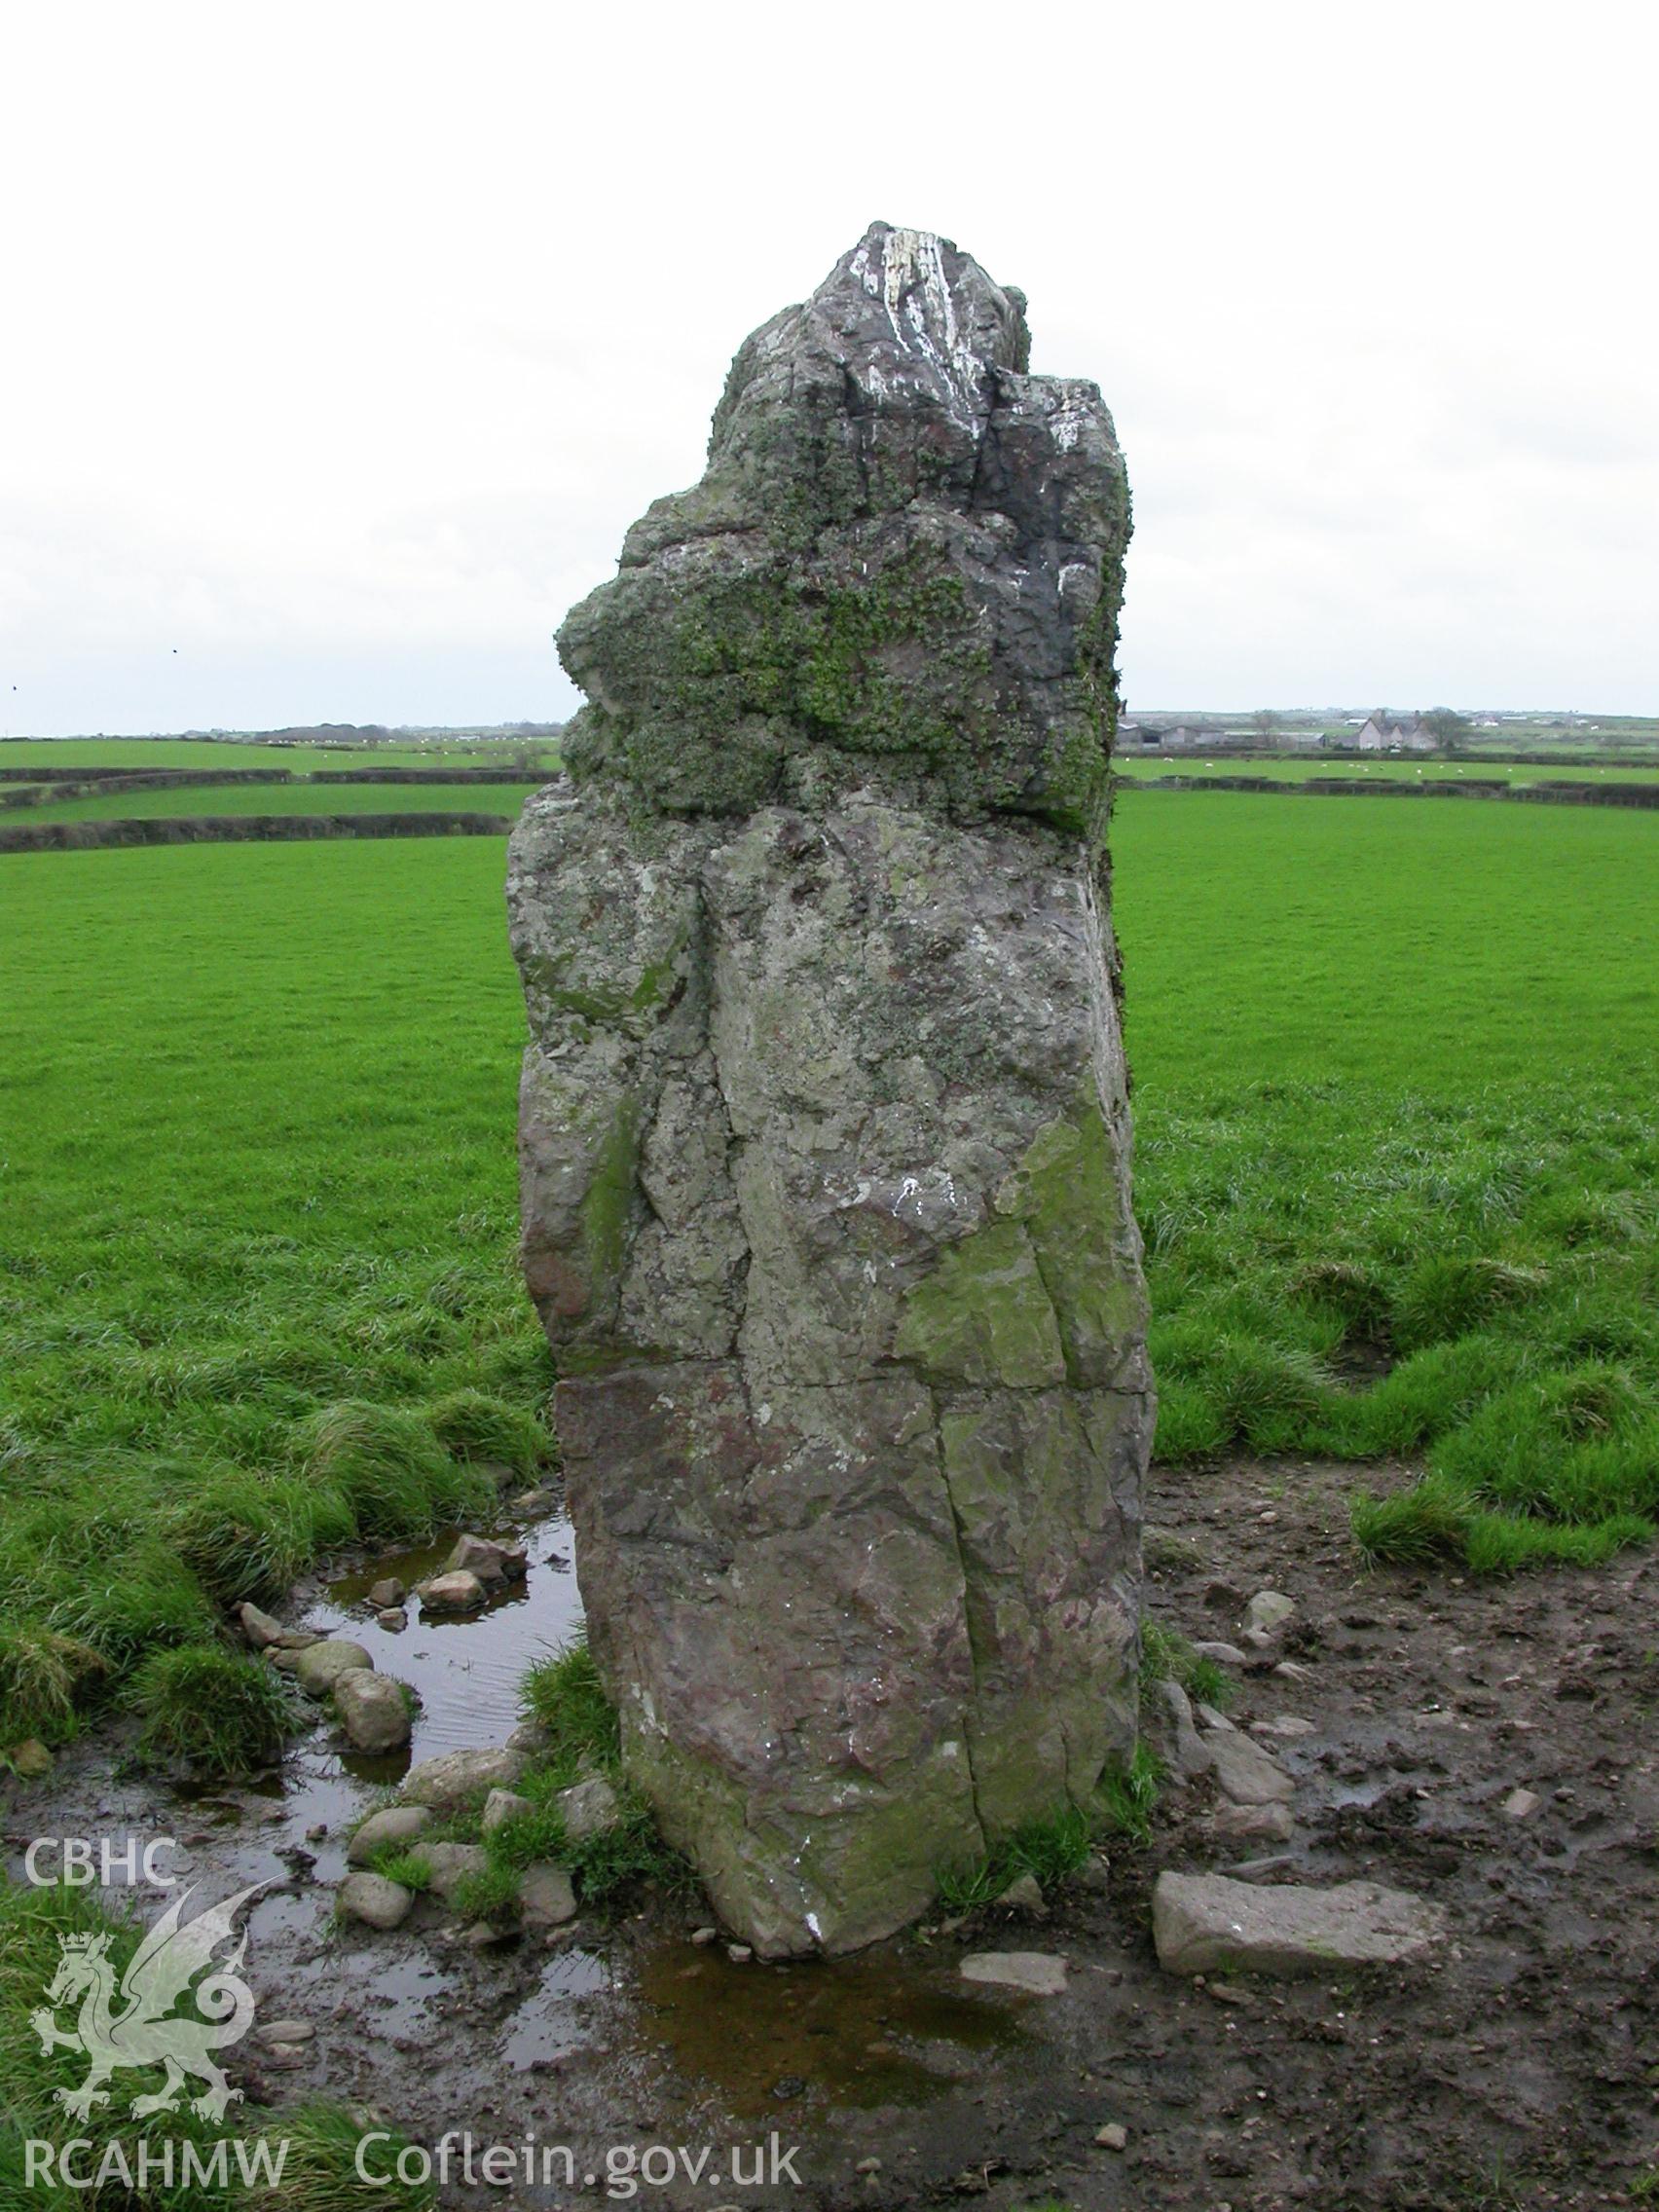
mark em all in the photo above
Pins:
pixel 133 755
pixel 1400 767
pixel 504 799
pixel 1395 1101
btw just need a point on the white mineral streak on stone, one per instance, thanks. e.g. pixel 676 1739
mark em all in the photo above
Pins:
pixel 913 281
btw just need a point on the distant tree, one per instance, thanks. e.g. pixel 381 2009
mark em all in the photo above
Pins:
pixel 1265 723
pixel 1448 727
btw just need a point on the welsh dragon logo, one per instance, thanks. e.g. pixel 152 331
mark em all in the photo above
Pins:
pixel 135 2026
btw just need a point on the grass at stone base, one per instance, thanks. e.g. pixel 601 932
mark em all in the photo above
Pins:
pixel 1166 1654
pixel 562 1696
pixel 318 2172
pixel 1051 1848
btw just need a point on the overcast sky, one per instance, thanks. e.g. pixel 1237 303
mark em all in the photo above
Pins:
pixel 342 343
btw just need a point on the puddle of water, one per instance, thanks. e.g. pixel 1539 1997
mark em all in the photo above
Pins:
pixel 882 2029
pixel 551 2022
pixel 466 1671
pixel 874 2030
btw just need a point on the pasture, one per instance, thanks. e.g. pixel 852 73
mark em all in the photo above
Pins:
pixel 331 798
pixel 1397 1152
pixel 208 755
pixel 1402 767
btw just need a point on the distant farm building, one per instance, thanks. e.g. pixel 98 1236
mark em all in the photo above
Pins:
pixel 1379 734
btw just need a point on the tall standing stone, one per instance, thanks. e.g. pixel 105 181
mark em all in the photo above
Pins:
pixel 824 1127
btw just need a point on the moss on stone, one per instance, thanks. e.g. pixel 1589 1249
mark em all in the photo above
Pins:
pixel 606 1204
pixel 984 1315
pixel 1067 1194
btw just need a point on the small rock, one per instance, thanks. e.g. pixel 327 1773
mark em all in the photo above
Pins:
pixel 446 1593
pixel 287 2031
pixel 529 1736
pixel 262 1629
pixel 739 1954
pixel 1175 1700
pixel 30 1760
pixel 1112 2137
pixel 316 1832
pixel 372 1709
pixel 703 1937
pixel 1261 1870
pixel 1284 1724
pixel 1025 1895
pixel 502 1805
pixel 287 1661
pixel 868 2167
pixel 489 1561
pixel 1189 1756
pixel 387 1593
pixel 1034 1973
pixel 398 1824
pixel 589 1808
pixel 1521 1804
pixel 451 1864
pixel 320 1666
pixel 265 1633
pixel 1224 1655
pixel 1269 1609
pixel 374 1901
pixel 1212 1716
pixel 1294 1671
pixel 1270 1821
pixel 1096 1874
pixel 532 1501
pixel 547 1899
pixel 1248 1774
pixel 450 1779
pixel 482 1936
pixel 394 1620
pixel 1203 1921
pixel 1228 1993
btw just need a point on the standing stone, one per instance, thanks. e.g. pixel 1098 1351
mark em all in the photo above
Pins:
pixel 823 1127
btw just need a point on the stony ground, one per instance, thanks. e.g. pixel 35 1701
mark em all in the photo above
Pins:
pixel 1518 2069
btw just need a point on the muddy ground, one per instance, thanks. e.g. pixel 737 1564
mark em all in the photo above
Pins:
pixel 1520 2069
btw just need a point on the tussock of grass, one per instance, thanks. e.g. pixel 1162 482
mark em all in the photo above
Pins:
pixel 1128 1793
pixel 321 2171
pixel 1047 1850
pixel 1429 1521
pixel 40 1671
pixel 608 1865
pixel 564 1696
pixel 1166 1654
pixel 491 1895
pixel 221 1711
pixel 388 1465
pixel 475 1425
pixel 523 1838
pixel 1450 1296
pixel 399 1863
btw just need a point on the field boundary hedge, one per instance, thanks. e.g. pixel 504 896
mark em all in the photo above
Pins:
pixel 1350 787
pixel 242 828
